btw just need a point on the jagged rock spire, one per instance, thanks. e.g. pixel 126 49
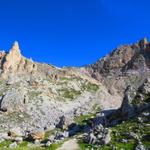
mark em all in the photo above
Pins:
pixel 15 45
pixel 143 42
pixel 14 62
pixel 15 48
pixel 13 58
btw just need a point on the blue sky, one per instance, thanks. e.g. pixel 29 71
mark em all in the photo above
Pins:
pixel 72 32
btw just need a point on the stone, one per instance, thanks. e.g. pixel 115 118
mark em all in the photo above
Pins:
pixel 124 141
pixel 134 135
pixel 48 143
pixel 107 138
pixel 15 132
pixel 140 146
pixel 18 139
pixel 66 134
pixel 59 136
pixel 37 135
pixel 5 136
pixel 13 145
pixel 37 142
pixel 127 110
pixel 92 138
pixel 51 138
pixel 62 123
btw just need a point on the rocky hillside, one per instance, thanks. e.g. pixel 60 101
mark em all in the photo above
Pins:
pixel 43 106
pixel 35 95
pixel 125 65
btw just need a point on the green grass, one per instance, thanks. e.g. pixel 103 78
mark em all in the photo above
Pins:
pixel 96 108
pixel 138 101
pixel 50 132
pixel 54 146
pixel 69 93
pixel 121 131
pixel 2 81
pixel 70 78
pixel 5 143
pixel 23 146
pixel 90 87
pixel 81 120
pixel 84 146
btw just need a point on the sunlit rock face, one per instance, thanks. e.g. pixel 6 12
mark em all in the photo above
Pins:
pixel 14 62
pixel 125 65
pixel 12 59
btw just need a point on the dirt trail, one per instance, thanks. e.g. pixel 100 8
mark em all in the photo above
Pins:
pixel 70 145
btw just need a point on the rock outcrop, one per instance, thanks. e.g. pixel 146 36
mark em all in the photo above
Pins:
pixel 14 62
pixel 122 59
pixel 127 109
pixel 12 59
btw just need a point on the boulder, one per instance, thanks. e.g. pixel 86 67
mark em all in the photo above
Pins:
pixel 48 143
pixel 127 109
pixel 63 123
pixel 15 132
pixel 99 135
pixel 37 135
pixel 13 100
pixel 140 146
pixel 18 139
pixel 13 145
pixel 107 137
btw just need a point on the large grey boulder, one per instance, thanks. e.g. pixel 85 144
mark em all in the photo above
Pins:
pixel 13 100
pixel 107 137
pixel 99 136
pixel 127 109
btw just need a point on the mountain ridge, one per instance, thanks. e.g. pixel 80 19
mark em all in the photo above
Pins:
pixel 39 97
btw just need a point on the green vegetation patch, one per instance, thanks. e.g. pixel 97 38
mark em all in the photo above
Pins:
pixel 137 100
pixel 89 87
pixel 81 120
pixel 5 144
pixel 69 93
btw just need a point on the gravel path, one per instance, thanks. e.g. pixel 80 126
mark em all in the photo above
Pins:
pixel 70 145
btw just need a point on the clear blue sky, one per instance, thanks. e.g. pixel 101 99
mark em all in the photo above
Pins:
pixel 72 32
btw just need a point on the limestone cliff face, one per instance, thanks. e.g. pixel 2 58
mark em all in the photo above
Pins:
pixel 12 59
pixel 14 62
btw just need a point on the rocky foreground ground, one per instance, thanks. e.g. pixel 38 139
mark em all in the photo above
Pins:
pixel 105 105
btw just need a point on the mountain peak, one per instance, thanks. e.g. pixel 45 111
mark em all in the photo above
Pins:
pixel 143 43
pixel 14 62
pixel 15 45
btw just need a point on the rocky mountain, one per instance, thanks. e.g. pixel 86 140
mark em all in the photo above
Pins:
pixel 46 104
